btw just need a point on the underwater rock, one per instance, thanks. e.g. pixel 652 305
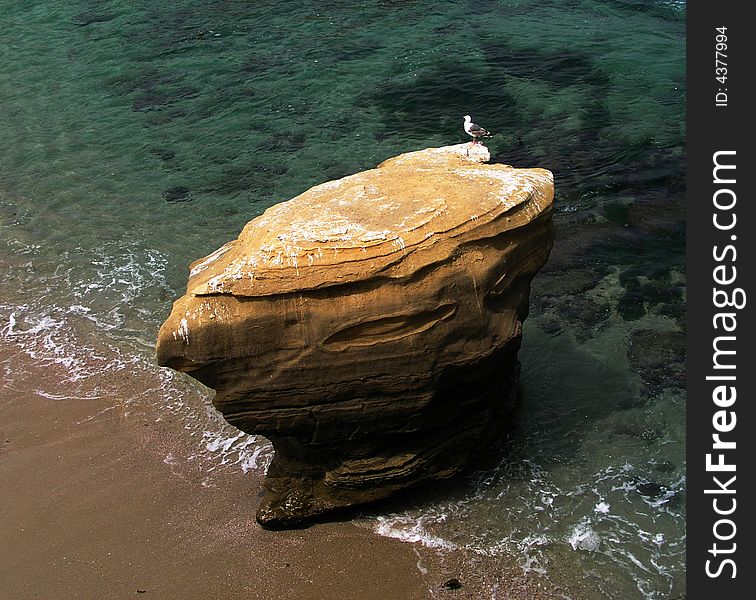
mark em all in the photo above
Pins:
pixel 163 153
pixel 177 194
pixel 88 17
pixel 659 358
pixel 369 327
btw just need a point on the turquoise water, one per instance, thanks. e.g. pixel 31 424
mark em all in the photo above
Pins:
pixel 139 136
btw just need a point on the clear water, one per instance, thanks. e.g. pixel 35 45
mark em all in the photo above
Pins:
pixel 139 136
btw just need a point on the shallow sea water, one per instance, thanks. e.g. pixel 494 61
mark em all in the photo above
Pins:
pixel 139 136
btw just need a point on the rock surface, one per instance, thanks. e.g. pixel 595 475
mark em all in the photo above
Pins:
pixel 369 327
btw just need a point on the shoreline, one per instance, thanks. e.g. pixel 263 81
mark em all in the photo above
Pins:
pixel 94 507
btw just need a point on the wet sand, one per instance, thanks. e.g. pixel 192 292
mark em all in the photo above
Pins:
pixel 91 508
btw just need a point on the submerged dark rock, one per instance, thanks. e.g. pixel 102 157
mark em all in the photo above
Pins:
pixel 87 18
pixel 370 326
pixel 163 153
pixel 177 194
pixel 659 358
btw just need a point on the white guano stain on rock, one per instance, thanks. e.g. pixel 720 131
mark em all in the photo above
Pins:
pixel 182 332
pixel 370 220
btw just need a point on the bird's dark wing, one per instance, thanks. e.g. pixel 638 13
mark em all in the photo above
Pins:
pixel 478 130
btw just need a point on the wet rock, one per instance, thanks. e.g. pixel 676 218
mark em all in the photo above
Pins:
pixel 453 584
pixel 369 327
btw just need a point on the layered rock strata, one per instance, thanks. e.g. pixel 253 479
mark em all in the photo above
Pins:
pixel 369 327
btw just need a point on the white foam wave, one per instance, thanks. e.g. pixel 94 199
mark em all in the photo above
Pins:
pixel 49 338
pixel 526 512
pixel 249 452
pixel 76 356
pixel 583 537
pixel 410 530
pixel 602 508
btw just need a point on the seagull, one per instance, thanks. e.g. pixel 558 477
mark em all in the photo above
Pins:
pixel 476 131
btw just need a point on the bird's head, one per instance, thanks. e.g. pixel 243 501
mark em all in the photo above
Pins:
pixel 468 118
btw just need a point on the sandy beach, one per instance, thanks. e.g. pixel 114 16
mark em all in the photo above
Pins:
pixel 92 508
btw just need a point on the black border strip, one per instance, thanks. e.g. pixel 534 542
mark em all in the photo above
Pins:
pixel 720 258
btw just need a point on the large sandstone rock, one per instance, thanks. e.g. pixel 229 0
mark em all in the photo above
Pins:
pixel 369 327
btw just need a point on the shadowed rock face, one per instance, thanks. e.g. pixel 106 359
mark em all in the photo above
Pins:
pixel 369 327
